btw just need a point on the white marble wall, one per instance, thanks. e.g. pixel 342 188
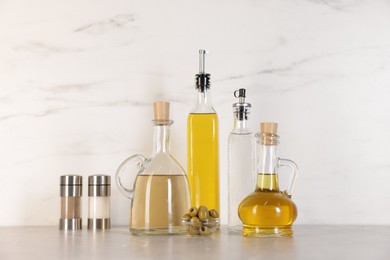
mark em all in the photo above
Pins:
pixel 77 80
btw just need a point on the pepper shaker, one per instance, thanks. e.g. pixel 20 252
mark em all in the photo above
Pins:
pixel 71 192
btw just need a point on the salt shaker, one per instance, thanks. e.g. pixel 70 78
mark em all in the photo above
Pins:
pixel 71 192
pixel 99 192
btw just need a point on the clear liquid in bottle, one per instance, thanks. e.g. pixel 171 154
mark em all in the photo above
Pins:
pixel 241 160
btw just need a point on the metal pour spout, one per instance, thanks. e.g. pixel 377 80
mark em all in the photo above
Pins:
pixel 202 55
pixel 202 79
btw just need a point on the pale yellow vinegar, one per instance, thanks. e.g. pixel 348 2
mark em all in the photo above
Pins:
pixel 159 203
pixel 203 160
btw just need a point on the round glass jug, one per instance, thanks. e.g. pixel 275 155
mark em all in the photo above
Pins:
pixel 160 194
pixel 269 211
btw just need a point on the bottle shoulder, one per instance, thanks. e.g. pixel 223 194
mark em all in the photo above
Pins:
pixel 203 110
pixel 274 198
pixel 201 117
pixel 164 164
pixel 242 131
pixel 242 137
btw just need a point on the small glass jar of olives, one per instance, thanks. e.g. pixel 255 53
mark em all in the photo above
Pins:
pixel 201 221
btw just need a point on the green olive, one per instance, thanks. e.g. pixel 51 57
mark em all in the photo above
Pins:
pixel 205 231
pixel 213 213
pixel 193 211
pixel 203 208
pixel 194 222
pixel 193 231
pixel 203 213
pixel 186 217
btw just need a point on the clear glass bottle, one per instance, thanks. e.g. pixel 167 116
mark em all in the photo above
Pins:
pixel 99 192
pixel 71 190
pixel 241 160
pixel 160 195
pixel 202 138
pixel 268 211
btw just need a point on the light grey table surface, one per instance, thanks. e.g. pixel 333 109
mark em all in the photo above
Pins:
pixel 308 242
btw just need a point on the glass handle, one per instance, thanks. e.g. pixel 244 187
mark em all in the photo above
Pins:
pixel 138 160
pixel 293 175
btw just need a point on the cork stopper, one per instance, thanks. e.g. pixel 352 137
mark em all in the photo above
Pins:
pixel 268 133
pixel 161 111
pixel 269 127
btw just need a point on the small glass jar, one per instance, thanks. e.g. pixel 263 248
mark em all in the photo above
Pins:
pixel 99 192
pixel 71 192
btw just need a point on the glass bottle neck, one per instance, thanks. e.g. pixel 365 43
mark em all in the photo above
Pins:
pixel 203 101
pixel 267 178
pixel 240 126
pixel 161 137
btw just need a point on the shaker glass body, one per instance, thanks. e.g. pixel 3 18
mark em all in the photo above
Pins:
pixel 71 207
pixel 99 207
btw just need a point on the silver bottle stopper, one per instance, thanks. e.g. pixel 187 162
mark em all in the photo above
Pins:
pixel 241 109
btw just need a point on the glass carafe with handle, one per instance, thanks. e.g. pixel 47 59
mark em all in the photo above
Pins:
pixel 160 194
pixel 268 211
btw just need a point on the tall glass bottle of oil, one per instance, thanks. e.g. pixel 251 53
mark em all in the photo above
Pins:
pixel 202 137
pixel 241 160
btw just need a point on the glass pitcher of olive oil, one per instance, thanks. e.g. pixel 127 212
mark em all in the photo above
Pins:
pixel 160 195
pixel 268 211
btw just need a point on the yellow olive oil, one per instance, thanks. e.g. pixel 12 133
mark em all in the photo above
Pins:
pixel 267 211
pixel 203 159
